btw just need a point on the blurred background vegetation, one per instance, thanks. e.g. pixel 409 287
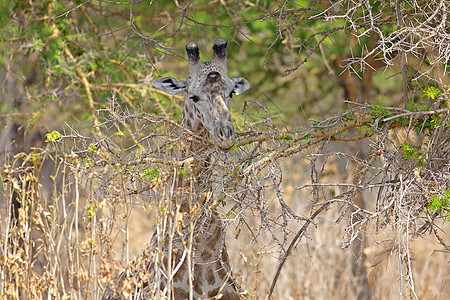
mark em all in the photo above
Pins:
pixel 69 57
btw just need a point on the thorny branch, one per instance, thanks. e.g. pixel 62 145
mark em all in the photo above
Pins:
pixel 248 175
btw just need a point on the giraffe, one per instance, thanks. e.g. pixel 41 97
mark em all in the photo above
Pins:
pixel 207 273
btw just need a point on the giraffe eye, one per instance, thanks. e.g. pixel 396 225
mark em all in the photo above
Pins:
pixel 195 99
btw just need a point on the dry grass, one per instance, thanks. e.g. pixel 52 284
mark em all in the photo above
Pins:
pixel 320 268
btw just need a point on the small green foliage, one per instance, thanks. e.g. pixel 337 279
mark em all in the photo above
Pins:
pixel 440 203
pixel 37 45
pixel 150 174
pixel 92 148
pixel 367 129
pixel 127 168
pixel 404 121
pixel 236 172
pixel 412 153
pixel 34 157
pixel 379 110
pixel 183 172
pixel 418 105
pixel 52 136
pixel 286 136
pixel 434 121
pixel 428 123
pixel 32 178
pixel 87 162
pixel 231 214
pixel 89 210
pixel 119 133
pixel 431 92
pixel 411 105
pixel 350 116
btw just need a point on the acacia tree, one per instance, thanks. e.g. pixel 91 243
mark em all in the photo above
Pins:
pixel 91 63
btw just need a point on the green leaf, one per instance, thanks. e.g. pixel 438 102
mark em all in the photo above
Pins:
pixel 150 174
pixel 231 214
pixel 87 162
pixel 89 210
pixel 410 152
pixel 440 203
pixel 379 110
pixel 286 136
pixel 92 148
pixel 52 136
pixel 431 91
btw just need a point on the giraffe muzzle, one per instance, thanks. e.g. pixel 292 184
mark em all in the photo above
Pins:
pixel 224 135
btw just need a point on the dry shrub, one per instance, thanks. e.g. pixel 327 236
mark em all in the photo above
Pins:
pixel 73 243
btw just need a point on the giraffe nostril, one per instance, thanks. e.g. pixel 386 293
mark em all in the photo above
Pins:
pixel 220 133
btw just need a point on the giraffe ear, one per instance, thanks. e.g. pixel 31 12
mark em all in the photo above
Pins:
pixel 170 85
pixel 240 85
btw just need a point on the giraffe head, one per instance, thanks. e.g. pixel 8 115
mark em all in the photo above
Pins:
pixel 209 90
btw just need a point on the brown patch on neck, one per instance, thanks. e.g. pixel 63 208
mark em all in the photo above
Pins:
pixel 206 255
pixel 198 276
pixel 210 278
pixel 226 295
pixel 179 293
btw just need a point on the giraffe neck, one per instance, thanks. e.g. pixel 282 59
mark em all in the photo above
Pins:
pixel 203 235
pixel 210 269
pixel 191 120
pixel 200 261
pixel 200 166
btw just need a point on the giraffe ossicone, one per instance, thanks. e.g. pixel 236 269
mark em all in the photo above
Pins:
pixel 209 90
